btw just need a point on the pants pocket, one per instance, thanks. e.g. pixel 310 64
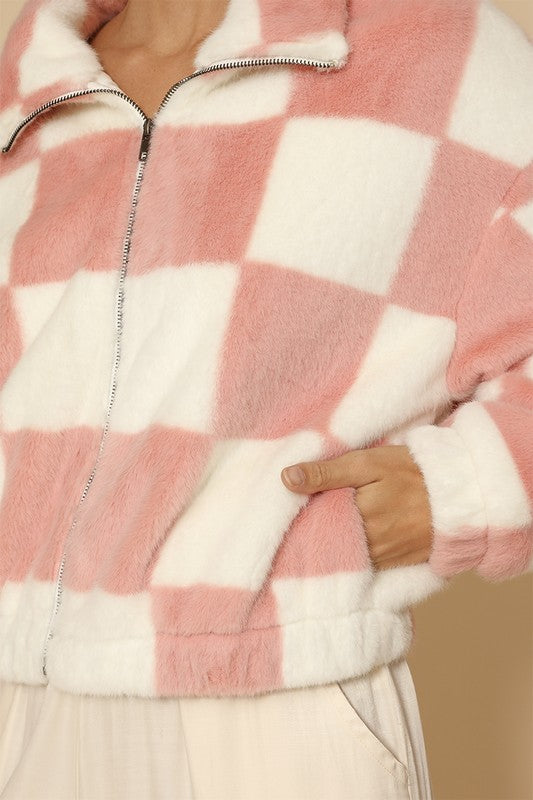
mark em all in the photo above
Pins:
pixel 354 723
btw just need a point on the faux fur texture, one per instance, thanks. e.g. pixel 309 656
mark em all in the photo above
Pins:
pixel 317 260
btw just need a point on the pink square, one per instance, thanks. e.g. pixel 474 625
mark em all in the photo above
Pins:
pixel 279 320
pixel 80 211
pixel 213 196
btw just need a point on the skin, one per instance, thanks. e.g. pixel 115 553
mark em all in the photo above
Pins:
pixel 390 495
pixel 148 47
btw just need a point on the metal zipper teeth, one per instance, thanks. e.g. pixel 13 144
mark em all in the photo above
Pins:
pixel 112 393
pixel 229 64
pixel 147 130
pixel 60 99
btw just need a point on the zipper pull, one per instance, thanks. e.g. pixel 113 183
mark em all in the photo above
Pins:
pixel 145 140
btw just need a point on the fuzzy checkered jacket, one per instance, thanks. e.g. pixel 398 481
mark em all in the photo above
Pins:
pixel 325 247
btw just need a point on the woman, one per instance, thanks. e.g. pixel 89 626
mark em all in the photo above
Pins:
pixel 240 237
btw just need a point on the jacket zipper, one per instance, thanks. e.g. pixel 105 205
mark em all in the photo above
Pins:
pixel 227 64
pixel 148 125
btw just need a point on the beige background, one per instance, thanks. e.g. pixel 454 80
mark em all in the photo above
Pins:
pixel 473 654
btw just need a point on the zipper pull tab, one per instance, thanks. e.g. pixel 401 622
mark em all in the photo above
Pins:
pixel 145 141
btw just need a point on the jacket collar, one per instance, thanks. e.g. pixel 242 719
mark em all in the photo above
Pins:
pixel 47 54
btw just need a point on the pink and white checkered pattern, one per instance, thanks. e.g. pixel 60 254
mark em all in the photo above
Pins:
pixel 319 261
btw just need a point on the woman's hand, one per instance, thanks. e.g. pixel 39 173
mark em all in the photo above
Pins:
pixel 391 496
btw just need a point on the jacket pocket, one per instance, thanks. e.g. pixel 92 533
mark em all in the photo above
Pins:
pixel 321 567
pixel 356 726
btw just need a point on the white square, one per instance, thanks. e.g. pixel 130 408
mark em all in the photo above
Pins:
pixel 68 335
pixel 26 608
pixel 20 184
pixel 320 595
pixel 84 614
pixel 403 374
pixel 174 320
pixel 524 216
pixel 341 199
pixel 116 629
pixel 77 120
pixel 54 44
pixel 493 110
pixel 502 486
pixel 230 99
pixel 229 535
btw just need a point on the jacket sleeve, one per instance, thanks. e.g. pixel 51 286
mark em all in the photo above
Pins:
pixel 477 463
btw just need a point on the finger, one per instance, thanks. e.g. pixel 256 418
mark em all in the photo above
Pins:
pixel 355 468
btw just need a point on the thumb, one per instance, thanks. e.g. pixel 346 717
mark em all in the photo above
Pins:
pixel 350 469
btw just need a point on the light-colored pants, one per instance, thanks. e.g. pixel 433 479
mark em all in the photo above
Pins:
pixel 357 739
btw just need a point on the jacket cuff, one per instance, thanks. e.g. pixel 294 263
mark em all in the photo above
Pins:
pixel 459 519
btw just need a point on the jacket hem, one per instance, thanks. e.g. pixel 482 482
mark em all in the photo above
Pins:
pixel 303 653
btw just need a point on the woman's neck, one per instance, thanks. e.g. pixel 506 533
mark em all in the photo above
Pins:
pixel 164 27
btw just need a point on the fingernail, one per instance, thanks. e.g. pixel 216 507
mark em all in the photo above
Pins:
pixel 294 475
